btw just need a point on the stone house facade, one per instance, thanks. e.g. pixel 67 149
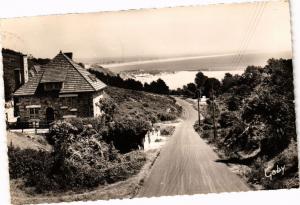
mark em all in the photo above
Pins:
pixel 15 71
pixel 60 89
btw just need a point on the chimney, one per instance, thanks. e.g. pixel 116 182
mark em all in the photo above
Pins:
pixel 25 69
pixel 69 54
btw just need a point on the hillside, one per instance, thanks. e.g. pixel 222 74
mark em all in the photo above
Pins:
pixel 255 125
pixel 101 69
pixel 144 105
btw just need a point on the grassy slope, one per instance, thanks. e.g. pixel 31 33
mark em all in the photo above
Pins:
pixel 27 141
pixel 142 104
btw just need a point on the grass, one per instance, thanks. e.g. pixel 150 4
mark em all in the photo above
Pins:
pixel 145 105
pixel 27 141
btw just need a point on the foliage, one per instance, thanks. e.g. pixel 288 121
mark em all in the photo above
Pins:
pixel 127 133
pixel 212 86
pixel 233 103
pixel 169 130
pixel 227 119
pixel 200 79
pixel 81 159
pixel 257 121
pixel 158 86
pixel 208 86
pixel 27 161
pixel 33 166
pixel 166 116
pixel 142 105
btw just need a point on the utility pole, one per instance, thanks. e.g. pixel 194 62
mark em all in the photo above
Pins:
pixel 214 120
pixel 199 114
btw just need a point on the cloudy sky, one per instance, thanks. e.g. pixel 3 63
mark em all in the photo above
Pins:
pixel 198 30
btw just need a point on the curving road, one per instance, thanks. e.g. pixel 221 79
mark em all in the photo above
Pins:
pixel 186 165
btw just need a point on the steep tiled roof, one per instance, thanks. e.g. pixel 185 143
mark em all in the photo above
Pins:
pixel 30 87
pixel 56 69
pixel 62 69
pixel 92 81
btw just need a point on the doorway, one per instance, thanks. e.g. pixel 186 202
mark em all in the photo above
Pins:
pixel 49 115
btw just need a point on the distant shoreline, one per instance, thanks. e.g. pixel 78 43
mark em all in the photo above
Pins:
pixel 112 65
pixel 176 79
pixel 224 62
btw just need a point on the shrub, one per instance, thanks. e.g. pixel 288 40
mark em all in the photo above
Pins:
pixel 169 130
pixel 132 163
pixel 227 119
pixel 33 166
pixel 166 116
pixel 127 133
pixel 80 160
pixel 233 103
pixel 290 179
pixel 25 162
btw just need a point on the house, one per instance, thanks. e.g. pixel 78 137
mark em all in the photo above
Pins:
pixel 15 68
pixel 57 90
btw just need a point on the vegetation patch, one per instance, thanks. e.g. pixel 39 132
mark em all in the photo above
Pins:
pixel 143 105
pixel 167 131
pixel 91 152
pixel 255 124
pixel 80 160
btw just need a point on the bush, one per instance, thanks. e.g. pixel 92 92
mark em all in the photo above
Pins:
pixel 133 162
pixel 166 117
pixel 127 133
pixel 81 159
pixel 227 119
pixel 35 167
pixel 290 179
pixel 233 103
pixel 27 161
pixel 169 130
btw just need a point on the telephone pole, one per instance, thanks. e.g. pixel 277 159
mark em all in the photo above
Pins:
pixel 214 120
pixel 199 114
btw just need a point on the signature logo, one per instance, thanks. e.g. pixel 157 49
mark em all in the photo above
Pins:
pixel 270 173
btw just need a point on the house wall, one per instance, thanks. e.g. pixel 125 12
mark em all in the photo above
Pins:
pixel 11 61
pixel 96 97
pixel 82 106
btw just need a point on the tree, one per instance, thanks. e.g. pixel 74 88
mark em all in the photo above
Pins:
pixel 228 82
pixel 81 64
pixel 158 86
pixel 212 84
pixel 200 79
pixel 162 86
pixel 133 84
pixel 190 90
pixel 252 76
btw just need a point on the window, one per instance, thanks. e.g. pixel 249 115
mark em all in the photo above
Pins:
pixel 34 113
pixel 69 102
pixel 52 86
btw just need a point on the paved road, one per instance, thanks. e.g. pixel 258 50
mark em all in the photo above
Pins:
pixel 187 165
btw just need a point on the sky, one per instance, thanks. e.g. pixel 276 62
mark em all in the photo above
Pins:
pixel 238 28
